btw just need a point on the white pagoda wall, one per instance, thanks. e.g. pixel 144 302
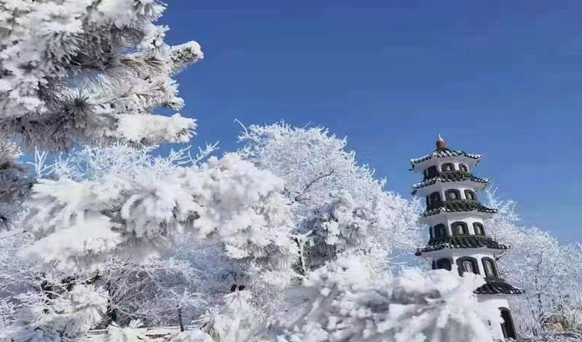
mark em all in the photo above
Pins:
pixel 499 302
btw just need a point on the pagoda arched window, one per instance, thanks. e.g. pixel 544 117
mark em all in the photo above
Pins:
pixel 463 168
pixel 453 194
pixel 444 264
pixel 478 228
pixel 431 172
pixel 489 267
pixel 448 167
pixel 440 231
pixel 435 199
pixel 507 326
pixel 470 195
pixel 460 228
pixel 467 264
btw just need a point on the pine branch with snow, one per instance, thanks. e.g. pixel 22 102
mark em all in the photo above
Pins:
pixel 80 223
pixel 89 72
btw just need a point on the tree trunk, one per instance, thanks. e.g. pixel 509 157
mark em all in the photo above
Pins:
pixel 180 318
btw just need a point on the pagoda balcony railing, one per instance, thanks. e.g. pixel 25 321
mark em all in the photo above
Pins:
pixel 446 174
pixel 441 204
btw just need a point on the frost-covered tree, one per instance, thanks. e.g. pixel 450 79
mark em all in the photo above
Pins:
pixel 163 291
pixel 231 216
pixel 89 71
pixel 341 302
pixel 338 204
pixel 547 269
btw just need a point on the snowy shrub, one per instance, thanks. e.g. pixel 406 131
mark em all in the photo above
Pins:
pixel 58 314
pixel 233 321
pixel 340 302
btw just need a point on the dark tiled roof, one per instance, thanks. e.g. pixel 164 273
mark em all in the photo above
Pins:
pixel 498 286
pixel 444 152
pixel 459 205
pixel 450 176
pixel 464 241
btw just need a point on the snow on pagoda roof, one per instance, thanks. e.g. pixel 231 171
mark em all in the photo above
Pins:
pixel 419 164
pixel 456 242
pixel 459 205
pixel 449 176
pixel 443 153
pixel 498 286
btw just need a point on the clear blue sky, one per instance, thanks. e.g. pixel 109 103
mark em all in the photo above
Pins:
pixel 500 78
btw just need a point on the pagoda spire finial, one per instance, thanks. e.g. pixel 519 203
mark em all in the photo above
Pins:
pixel 441 143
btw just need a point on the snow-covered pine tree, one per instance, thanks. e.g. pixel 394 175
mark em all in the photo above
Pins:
pixel 89 71
pixel 338 205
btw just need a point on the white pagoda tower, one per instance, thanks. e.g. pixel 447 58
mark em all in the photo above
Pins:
pixel 458 234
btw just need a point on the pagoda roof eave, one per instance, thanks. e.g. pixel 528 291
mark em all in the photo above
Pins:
pixel 459 206
pixel 462 242
pixel 495 286
pixel 426 190
pixel 417 164
pixel 436 218
pixel 449 177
